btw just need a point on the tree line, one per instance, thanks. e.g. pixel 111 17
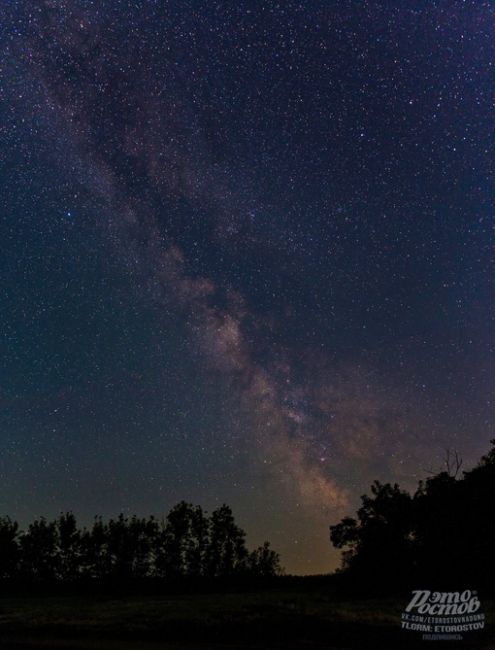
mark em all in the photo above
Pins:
pixel 186 544
pixel 442 534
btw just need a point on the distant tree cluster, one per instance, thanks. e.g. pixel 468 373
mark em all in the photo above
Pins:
pixel 187 544
pixel 444 533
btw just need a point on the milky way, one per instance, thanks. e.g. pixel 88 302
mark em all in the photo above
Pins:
pixel 247 256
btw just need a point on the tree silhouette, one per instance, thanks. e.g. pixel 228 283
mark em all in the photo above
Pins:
pixel 227 552
pixel 183 542
pixel 381 537
pixel 443 533
pixel 188 544
pixel 69 547
pixel 38 551
pixel 9 548
pixel 264 561
pixel 128 546
pixel 95 555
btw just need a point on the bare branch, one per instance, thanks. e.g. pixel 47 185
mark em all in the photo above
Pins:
pixel 451 465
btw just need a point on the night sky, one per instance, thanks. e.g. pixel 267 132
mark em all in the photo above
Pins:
pixel 247 256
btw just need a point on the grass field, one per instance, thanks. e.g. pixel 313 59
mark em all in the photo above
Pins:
pixel 272 619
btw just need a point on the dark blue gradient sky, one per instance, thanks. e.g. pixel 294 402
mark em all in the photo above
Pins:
pixel 247 256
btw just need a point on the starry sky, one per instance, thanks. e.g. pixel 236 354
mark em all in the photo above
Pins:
pixel 247 256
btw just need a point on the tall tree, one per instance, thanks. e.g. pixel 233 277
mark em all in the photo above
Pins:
pixel 69 547
pixel 379 543
pixel 39 553
pixel 184 542
pixel 227 554
pixel 9 548
pixel 96 562
pixel 264 561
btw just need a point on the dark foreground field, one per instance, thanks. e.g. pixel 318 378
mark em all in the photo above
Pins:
pixel 273 619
